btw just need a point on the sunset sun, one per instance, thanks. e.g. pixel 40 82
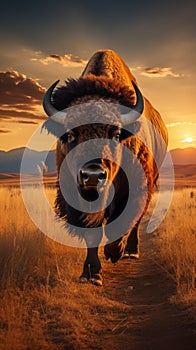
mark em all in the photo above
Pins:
pixel 188 139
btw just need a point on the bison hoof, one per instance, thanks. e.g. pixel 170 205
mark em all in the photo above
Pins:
pixel 126 255
pixel 134 255
pixel 83 279
pixel 96 280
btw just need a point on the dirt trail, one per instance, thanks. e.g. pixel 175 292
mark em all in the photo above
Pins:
pixel 149 321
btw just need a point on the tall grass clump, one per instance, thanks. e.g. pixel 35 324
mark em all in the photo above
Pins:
pixel 32 266
pixel 22 245
pixel 178 242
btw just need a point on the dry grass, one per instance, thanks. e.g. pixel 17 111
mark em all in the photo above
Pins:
pixel 178 242
pixel 42 305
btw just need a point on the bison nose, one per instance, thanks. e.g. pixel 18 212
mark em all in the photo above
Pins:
pixel 92 176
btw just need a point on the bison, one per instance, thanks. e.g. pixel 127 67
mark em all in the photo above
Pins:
pixel 105 110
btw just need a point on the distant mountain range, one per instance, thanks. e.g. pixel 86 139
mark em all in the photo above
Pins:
pixel 10 161
pixel 184 155
pixel 35 161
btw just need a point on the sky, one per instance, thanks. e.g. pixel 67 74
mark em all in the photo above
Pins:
pixel 42 41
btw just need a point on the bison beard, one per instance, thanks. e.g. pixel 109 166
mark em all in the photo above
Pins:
pixel 80 219
pixel 110 84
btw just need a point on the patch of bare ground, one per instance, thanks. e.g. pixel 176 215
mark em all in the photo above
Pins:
pixel 153 321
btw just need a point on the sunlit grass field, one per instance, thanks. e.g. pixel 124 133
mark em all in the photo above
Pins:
pixel 42 303
pixel 178 241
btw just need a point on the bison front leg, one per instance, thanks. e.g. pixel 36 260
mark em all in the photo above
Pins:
pixel 114 250
pixel 132 244
pixel 92 268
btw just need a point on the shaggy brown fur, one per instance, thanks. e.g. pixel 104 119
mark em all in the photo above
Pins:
pixel 108 64
pixel 97 93
pixel 95 88
pixel 90 86
pixel 104 87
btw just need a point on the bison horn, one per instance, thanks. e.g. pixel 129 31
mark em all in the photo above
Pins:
pixel 51 111
pixel 60 117
pixel 136 111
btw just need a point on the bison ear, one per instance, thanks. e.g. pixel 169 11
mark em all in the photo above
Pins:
pixel 131 129
pixel 53 127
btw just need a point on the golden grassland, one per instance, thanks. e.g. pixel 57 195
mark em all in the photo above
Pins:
pixel 178 242
pixel 42 304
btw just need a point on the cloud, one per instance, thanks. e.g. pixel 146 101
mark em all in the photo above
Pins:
pixel 171 125
pixel 17 88
pixel 26 122
pixel 67 60
pixel 7 114
pixel 4 131
pixel 20 96
pixel 160 72
pixel 189 139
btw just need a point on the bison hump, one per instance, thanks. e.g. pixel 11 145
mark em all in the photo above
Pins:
pixel 107 63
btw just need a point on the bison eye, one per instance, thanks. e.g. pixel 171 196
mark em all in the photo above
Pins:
pixel 116 137
pixel 70 137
